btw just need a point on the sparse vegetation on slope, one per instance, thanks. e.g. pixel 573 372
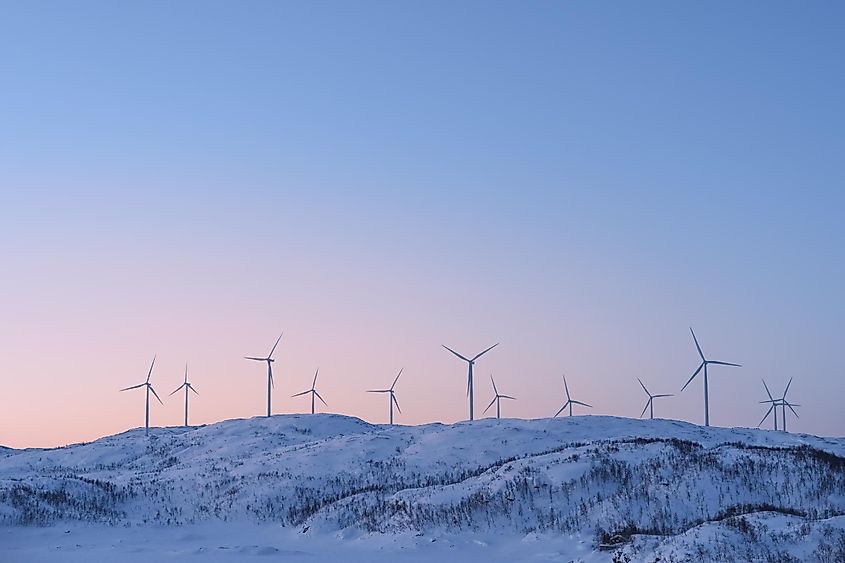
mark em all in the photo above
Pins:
pixel 615 479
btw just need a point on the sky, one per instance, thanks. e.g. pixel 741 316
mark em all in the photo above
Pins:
pixel 579 181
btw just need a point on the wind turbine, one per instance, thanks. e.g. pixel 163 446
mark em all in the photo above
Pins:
pixel 392 400
pixel 269 359
pixel 469 376
pixel 650 403
pixel 149 388
pixel 313 392
pixel 187 386
pixel 569 401
pixel 496 399
pixel 704 363
pixel 784 403
pixel 773 408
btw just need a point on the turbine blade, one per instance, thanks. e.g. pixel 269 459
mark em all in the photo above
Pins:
pixel 565 386
pixel 767 391
pixel 645 408
pixel 133 387
pixel 663 395
pixel 700 353
pixel 191 387
pixel 151 369
pixel 458 355
pixel 397 379
pixel 186 372
pixel 790 405
pixel 270 355
pixel 485 351
pixel 582 404
pixel 693 376
pixel 496 391
pixel 490 405
pixel 314 384
pixel 300 394
pixel 254 358
pixel 378 391
pixel 643 386
pixel 724 363
pixel 768 412
pixel 395 402
pixel 156 394
pixel 507 397
pixel 321 399
pixel 560 411
pixel 177 389
pixel 785 391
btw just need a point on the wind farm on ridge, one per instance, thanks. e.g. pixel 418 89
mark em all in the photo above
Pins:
pixel 567 406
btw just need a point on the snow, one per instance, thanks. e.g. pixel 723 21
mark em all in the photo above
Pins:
pixel 213 543
pixel 328 487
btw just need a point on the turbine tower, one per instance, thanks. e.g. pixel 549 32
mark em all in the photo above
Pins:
pixel 149 388
pixel 187 386
pixel 704 363
pixel 392 399
pixel 569 401
pixel 773 408
pixel 784 404
pixel 496 399
pixel 471 363
pixel 650 403
pixel 313 392
pixel 269 359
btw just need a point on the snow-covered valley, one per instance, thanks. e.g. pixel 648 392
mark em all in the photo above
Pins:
pixel 326 487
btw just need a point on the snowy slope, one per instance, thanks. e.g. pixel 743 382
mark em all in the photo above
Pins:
pixel 656 486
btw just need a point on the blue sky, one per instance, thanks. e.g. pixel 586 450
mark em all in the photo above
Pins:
pixel 582 181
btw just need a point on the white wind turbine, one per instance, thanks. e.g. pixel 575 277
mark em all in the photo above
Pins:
pixel 704 363
pixel 269 359
pixel 313 392
pixel 149 388
pixel 470 363
pixel 496 399
pixel 569 401
pixel 650 403
pixel 187 387
pixel 392 398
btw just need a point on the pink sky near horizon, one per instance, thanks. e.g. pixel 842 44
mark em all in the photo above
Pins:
pixel 72 355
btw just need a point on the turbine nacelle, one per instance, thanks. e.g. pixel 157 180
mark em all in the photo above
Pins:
pixel 185 384
pixel 474 358
pixel 149 386
pixel 269 360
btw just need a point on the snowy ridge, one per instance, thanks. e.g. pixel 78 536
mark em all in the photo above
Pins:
pixel 637 485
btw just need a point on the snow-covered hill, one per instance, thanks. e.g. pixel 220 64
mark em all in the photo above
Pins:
pixel 644 487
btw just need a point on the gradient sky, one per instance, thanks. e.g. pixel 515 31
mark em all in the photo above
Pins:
pixel 580 181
